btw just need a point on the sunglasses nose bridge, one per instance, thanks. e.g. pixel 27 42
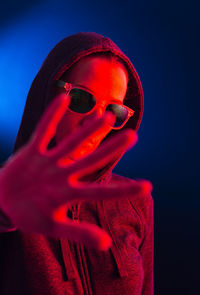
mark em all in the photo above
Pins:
pixel 99 110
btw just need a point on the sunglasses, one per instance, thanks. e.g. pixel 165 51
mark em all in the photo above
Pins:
pixel 83 101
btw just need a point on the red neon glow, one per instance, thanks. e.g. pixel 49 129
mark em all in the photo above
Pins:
pixel 51 192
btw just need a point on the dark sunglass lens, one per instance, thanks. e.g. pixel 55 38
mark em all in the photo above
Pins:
pixel 81 101
pixel 120 112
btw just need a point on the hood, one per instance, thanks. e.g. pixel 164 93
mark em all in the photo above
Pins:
pixel 59 60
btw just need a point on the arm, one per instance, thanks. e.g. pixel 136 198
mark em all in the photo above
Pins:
pixel 147 249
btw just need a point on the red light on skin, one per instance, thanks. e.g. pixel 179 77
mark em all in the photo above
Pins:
pixel 62 104
pixel 89 144
pixel 96 238
pixel 107 80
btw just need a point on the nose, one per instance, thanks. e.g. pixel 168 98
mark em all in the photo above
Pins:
pixel 98 111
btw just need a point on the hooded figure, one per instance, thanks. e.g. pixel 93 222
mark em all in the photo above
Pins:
pixel 36 264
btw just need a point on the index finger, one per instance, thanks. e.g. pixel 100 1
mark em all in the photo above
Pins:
pixel 48 123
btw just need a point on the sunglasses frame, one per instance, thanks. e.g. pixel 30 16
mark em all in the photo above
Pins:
pixel 68 87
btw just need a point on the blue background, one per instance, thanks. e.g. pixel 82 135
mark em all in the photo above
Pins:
pixel 161 39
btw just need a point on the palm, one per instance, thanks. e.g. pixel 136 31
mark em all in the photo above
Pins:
pixel 36 188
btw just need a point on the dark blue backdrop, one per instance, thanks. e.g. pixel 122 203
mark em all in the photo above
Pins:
pixel 161 39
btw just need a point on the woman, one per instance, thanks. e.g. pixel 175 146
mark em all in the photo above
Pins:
pixel 84 76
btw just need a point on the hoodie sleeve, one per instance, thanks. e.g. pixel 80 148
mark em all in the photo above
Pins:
pixel 147 248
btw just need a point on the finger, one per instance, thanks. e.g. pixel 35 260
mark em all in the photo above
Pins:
pixel 49 121
pixel 58 225
pixel 88 234
pixel 133 189
pixel 110 149
pixel 81 134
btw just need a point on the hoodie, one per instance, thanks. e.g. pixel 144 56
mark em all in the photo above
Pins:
pixel 36 264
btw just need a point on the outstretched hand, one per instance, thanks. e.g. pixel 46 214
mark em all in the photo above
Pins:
pixel 36 187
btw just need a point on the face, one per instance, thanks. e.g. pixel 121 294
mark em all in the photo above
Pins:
pixel 108 81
